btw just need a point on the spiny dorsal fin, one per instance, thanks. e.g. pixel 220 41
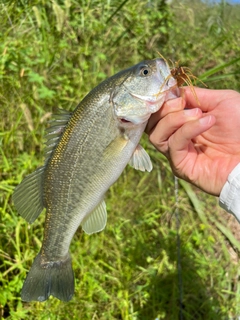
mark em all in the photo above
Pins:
pixel 96 220
pixel 27 196
pixel 140 160
pixel 55 131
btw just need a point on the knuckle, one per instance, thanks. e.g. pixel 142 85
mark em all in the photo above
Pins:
pixel 161 146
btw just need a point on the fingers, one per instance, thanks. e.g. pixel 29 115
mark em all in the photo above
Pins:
pixel 207 98
pixel 180 143
pixel 190 98
pixel 168 107
pixel 172 105
pixel 160 134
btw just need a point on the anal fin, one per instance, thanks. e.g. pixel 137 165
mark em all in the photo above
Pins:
pixel 96 220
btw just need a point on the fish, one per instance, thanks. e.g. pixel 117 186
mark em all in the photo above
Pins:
pixel 86 152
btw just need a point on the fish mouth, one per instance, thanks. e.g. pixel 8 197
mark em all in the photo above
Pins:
pixel 149 99
pixel 153 103
pixel 159 96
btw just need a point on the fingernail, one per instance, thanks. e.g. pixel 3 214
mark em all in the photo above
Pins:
pixel 205 120
pixel 191 112
pixel 173 103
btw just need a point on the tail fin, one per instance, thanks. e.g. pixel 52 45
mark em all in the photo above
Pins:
pixel 51 278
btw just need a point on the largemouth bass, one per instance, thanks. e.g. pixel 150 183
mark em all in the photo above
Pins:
pixel 86 152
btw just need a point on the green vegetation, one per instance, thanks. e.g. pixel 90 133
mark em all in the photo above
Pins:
pixel 52 54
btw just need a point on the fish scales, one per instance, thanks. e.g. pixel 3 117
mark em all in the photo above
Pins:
pixel 78 150
pixel 86 152
pixel 75 149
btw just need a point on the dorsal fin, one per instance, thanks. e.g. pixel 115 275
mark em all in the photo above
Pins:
pixel 54 132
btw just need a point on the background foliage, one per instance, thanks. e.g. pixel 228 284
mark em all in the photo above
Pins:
pixel 52 54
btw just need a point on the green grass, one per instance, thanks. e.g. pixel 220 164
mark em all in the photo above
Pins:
pixel 52 54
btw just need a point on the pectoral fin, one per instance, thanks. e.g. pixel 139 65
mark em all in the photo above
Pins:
pixel 140 160
pixel 97 219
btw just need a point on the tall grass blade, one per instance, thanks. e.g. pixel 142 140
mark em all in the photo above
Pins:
pixel 194 200
pixel 214 70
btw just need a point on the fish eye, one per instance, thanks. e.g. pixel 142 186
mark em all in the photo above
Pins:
pixel 144 71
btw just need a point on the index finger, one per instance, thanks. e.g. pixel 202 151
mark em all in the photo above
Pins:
pixel 169 106
pixel 207 98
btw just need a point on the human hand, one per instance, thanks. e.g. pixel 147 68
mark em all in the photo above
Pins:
pixel 202 142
